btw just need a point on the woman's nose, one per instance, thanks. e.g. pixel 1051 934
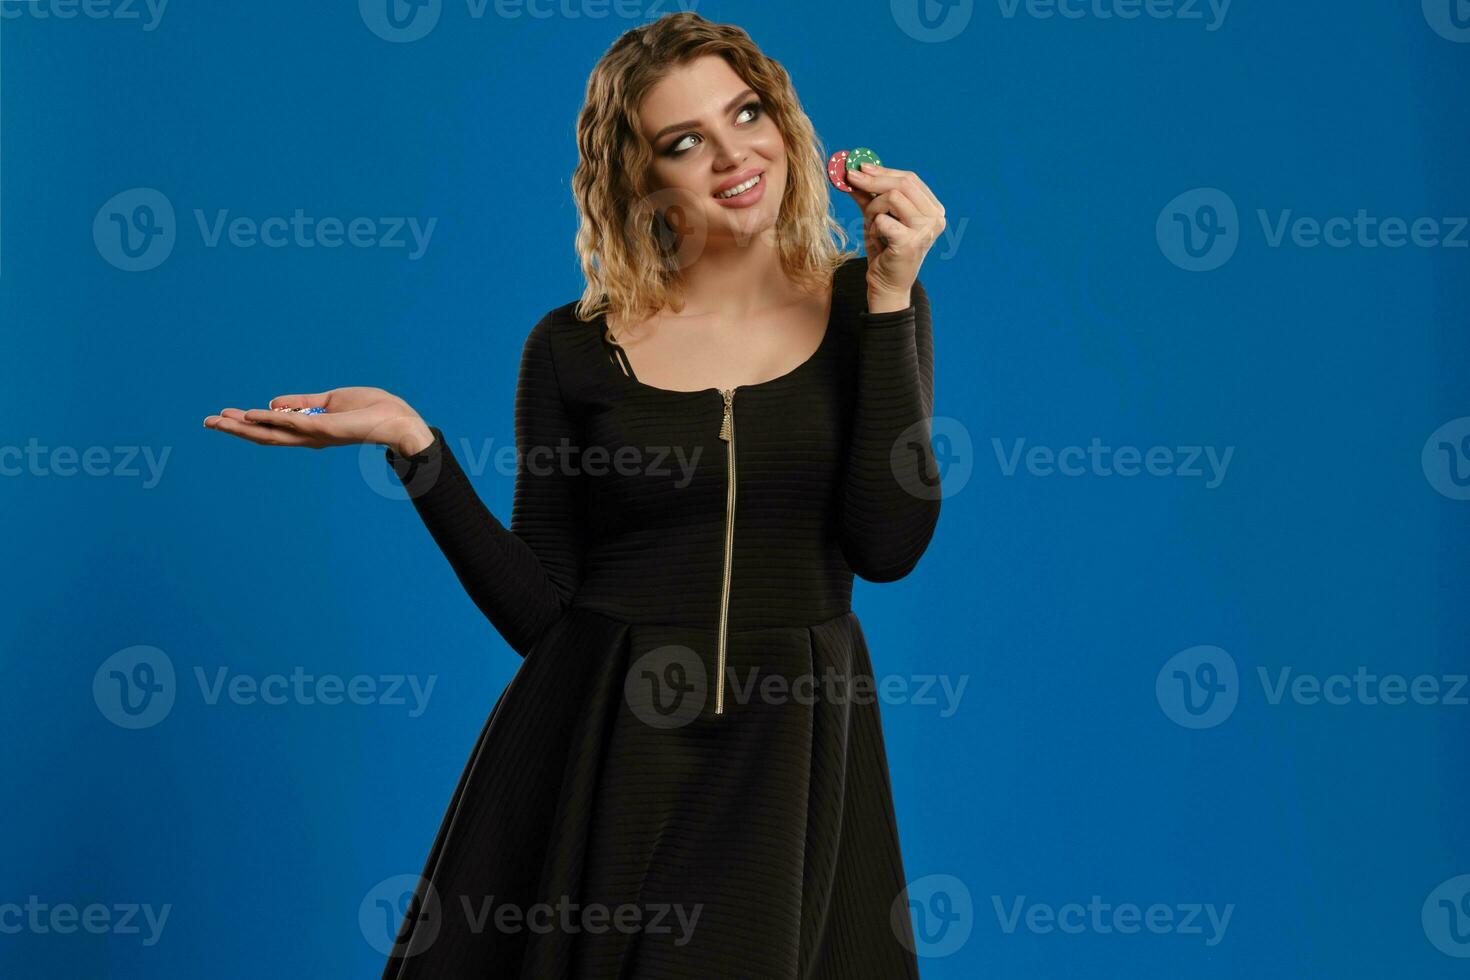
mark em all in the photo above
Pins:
pixel 729 154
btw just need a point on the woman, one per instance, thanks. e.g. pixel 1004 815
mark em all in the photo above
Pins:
pixel 686 776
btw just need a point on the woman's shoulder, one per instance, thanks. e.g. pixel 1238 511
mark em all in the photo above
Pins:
pixel 563 345
pixel 562 325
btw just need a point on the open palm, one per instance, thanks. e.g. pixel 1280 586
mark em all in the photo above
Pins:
pixel 353 416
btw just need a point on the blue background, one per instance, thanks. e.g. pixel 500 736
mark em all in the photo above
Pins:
pixel 1059 316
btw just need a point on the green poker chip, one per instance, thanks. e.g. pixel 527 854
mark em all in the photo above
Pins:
pixel 862 155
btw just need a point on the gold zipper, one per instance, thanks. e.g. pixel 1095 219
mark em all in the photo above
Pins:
pixel 727 433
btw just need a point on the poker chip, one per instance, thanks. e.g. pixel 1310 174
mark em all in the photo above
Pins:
pixel 862 155
pixel 844 160
pixel 836 169
pixel 304 411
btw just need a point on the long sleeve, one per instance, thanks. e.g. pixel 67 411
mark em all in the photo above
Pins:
pixel 523 578
pixel 890 489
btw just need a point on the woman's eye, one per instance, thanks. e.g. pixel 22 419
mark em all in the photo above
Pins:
pixel 677 147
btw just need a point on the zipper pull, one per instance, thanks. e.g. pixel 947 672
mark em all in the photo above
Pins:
pixel 727 423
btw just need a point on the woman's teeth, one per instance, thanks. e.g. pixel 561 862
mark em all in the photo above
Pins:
pixel 741 188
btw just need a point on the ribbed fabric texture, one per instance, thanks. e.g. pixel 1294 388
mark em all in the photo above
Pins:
pixel 770 825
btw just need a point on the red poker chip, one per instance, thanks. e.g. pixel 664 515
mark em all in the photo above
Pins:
pixel 837 169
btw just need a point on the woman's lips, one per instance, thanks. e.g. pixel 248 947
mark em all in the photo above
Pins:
pixel 748 198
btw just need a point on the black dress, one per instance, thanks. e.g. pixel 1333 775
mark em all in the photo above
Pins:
pixel 622 815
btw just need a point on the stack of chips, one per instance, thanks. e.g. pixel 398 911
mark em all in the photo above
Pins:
pixel 844 160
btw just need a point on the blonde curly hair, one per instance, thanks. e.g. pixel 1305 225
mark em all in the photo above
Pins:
pixel 631 267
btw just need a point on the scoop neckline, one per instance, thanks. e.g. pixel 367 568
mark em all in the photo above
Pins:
pixel 827 333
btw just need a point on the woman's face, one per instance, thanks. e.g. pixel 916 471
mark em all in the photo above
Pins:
pixel 708 131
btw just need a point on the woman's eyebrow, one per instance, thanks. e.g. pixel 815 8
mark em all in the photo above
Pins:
pixel 695 122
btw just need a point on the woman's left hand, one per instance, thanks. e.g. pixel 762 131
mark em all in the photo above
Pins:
pixel 901 220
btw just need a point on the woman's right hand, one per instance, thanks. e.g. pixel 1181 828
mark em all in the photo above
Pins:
pixel 353 416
